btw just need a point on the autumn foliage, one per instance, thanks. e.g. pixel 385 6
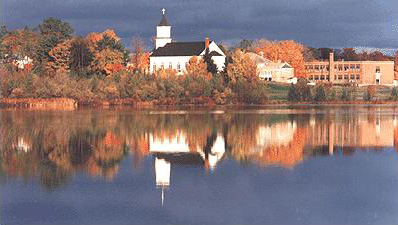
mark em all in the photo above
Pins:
pixel 242 67
pixel 197 67
pixel 287 51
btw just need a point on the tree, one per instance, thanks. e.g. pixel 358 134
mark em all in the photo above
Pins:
pixel 60 55
pixel 320 94
pixel 349 54
pixel 109 55
pixel 53 31
pixel 80 55
pixel 197 67
pixel 242 67
pixel 396 65
pixel 245 44
pixel 292 94
pixel 3 31
pixel 211 66
pixel 140 58
pixel 288 51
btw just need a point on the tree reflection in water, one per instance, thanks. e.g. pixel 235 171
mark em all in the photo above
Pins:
pixel 53 146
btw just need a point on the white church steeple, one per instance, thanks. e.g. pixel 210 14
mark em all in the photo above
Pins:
pixel 163 31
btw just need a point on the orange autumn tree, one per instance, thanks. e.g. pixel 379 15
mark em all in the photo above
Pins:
pixel 196 67
pixel 165 73
pixel 242 67
pixel 108 52
pixel 139 59
pixel 287 51
pixel 60 55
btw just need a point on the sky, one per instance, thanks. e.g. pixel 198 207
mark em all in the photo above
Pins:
pixel 315 23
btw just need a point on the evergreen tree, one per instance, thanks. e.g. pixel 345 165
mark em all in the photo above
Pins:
pixel 211 66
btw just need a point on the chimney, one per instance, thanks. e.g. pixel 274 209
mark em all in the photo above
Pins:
pixel 207 42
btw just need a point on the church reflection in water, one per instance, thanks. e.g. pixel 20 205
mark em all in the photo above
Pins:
pixel 53 147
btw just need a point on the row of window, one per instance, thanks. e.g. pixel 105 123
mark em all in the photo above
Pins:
pixel 336 77
pixel 341 67
pixel 170 66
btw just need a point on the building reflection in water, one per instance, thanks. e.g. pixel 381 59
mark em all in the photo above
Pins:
pixel 173 149
pixel 52 148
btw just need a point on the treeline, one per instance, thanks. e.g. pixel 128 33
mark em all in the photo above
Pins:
pixel 301 92
pixel 49 61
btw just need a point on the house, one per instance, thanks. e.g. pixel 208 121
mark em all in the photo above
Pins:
pixel 176 55
pixel 273 71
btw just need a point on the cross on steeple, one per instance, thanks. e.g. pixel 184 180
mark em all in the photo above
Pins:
pixel 163 11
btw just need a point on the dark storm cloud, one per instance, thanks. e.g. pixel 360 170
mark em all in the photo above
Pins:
pixel 319 23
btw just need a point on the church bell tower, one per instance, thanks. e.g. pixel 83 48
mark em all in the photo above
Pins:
pixel 163 32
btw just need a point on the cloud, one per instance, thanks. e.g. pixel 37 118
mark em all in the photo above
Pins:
pixel 318 23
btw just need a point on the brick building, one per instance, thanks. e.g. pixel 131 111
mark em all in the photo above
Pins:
pixel 359 72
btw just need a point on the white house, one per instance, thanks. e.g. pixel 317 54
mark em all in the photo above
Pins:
pixel 273 71
pixel 175 55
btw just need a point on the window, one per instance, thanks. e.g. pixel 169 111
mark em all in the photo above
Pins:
pixel 352 76
pixel 340 67
pixel 377 69
pixel 179 67
pixel 346 67
pixel 322 77
pixel 311 78
pixel 357 76
pixel 345 76
pixel 352 67
pixel 170 65
pixel 316 77
pixel 358 67
pixel 335 67
pixel 316 67
pixel 327 68
pixel 340 77
pixel 154 67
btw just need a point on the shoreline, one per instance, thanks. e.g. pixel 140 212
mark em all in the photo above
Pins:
pixel 71 104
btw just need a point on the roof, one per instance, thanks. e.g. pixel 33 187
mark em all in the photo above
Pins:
pixel 257 58
pixel 164 22
pixel 180 49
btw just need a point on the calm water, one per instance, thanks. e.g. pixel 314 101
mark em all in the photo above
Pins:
pixel 275 165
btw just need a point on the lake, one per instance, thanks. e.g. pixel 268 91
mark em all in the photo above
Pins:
pixel 232 165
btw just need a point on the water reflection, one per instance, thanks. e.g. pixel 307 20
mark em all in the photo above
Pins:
pixel 53 146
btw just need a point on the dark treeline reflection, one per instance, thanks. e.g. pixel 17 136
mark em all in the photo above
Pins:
pixel 52 146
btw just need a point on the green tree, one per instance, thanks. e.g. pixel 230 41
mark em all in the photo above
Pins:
pixel 320 94
pixel 211 67
pixel 52 31
pixel 113 44
pixel 292 94
pixel 394 94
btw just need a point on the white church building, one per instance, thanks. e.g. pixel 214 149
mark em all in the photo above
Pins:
pixel 176 55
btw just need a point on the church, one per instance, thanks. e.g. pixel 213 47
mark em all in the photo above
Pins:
pixel 169 54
